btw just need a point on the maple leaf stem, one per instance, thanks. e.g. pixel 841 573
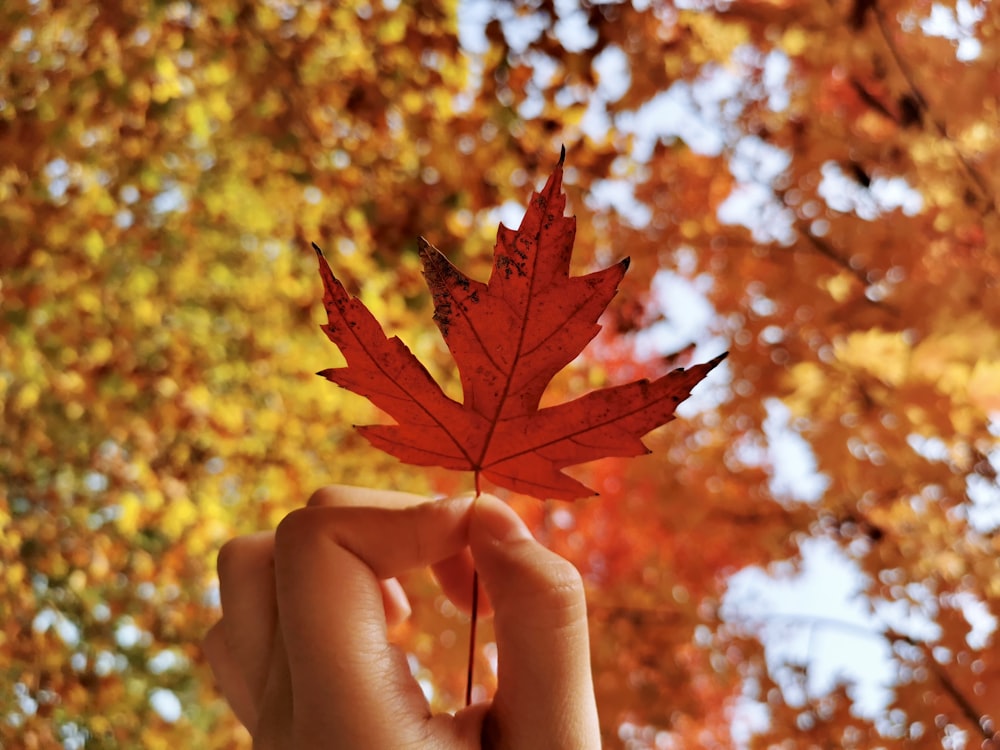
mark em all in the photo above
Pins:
pixel 473 619
pixel 472 636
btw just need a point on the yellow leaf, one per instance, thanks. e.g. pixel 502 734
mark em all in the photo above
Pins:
pixel 219 107
pixel 99 352
pixel 130 508
pixel 87 300
pixel 229 416
pixel 216 73
pixel 168 85
pixel 412 102
pixel 839 286
pixel 197 118
pixel 794 41
pixel 14 575
pixel 885 355
pixel 179 514
pixel 984 385
pixel 93 244
pixel 26 398
pixel 394 29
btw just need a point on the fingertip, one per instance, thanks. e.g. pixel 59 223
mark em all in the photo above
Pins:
pixel 245 554
pixel 394 600
pixel 495 521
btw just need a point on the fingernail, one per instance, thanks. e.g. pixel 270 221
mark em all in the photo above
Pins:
pixel 400 609
pixel 499 520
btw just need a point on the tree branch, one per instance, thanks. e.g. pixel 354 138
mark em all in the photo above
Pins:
pixel 918 94
pixel 965 706
pixel 973 715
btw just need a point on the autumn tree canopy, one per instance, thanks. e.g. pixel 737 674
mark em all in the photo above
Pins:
pixel 811 185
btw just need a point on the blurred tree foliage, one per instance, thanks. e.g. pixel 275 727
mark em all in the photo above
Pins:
pixel 824 174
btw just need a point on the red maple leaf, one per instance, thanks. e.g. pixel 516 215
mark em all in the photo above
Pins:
pixel 509 337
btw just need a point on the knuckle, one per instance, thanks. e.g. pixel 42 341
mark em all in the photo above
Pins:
pixel 559 591
pixel 230 557
pixel 297 528
pixel 562 575
pixel 332 495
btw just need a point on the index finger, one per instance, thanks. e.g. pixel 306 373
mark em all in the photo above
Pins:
pixel 328 562
pixel 454 574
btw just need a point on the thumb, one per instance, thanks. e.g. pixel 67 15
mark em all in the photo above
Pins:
pixel 545 693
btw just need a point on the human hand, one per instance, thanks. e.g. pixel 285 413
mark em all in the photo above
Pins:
pixel 302 652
